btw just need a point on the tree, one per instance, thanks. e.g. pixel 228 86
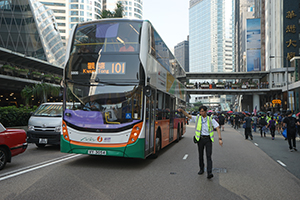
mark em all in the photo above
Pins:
pixel 26 94
pixel 117 13
pixel 40 91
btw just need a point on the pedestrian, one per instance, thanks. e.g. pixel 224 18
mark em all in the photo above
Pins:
pixel 236 121
pixel 262 125
pixel 221 121
pixel 279 124
pixel 254 118
pixel 204 137
pixel 248 121
pixel 272 127
pixel 290 123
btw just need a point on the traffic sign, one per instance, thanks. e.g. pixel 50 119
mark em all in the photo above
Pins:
pixel 276 101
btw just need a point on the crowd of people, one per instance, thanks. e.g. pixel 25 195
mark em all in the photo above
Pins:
pixel 287 125
pixel 230 85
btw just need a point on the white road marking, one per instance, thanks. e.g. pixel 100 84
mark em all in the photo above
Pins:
pixel 281 163
pixel 37 167
pixel 256 144
pixel 185 156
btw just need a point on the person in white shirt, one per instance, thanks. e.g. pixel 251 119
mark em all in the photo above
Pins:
pixel 204 137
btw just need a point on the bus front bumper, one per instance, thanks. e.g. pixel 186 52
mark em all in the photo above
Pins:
pixel 135 150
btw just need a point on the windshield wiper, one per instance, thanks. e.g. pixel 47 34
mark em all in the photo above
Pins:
pixel 101 83
pixel 84 84
pixel 97 80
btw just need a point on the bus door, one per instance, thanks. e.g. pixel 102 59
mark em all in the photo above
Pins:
pixel 149 132
pixel 171 103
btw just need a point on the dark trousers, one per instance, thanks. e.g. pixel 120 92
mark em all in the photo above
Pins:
pixel 290 137
pixel 272 130
pixel 207 143
pixel 261 130
pixel 248 133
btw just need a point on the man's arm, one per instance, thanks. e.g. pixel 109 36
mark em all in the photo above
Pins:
pixel 185 113
pixel 220 137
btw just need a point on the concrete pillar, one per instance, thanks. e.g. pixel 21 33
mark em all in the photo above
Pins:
pixel 256 102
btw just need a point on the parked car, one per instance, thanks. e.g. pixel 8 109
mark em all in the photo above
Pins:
pixel 12 143
pixel 44 125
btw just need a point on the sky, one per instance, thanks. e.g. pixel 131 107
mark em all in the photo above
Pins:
pixel 170 18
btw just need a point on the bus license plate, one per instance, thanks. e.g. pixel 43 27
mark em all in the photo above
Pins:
pixel 96 152
pixel 43 141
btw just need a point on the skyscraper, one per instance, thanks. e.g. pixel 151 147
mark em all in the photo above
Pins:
pixel 30 28
pixel 133 8
pixel 70 12
pixel 181 51
pixel 210 29
pixel 210 36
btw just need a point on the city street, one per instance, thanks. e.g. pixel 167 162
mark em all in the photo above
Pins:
pixel 242 170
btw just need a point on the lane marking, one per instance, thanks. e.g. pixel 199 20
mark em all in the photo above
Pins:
pixel 281 163
pixel 31 166
pixel 185 156
pixel 38 167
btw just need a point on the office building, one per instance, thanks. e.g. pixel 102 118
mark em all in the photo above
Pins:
pixel 133 9
pixel 181 51
pixel 70 12
pixel 30 28
pixel 210 32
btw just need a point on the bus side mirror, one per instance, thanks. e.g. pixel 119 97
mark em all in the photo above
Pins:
pixel 148 92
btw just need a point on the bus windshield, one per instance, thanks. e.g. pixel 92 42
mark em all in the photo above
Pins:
pixel 107 37
pixel 105 51
pixel 104 106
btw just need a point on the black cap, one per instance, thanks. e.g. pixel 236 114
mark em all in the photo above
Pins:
pixel 288 112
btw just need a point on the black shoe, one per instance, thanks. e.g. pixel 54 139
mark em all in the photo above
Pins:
pixel 200 172
pixel 295 149
pixel 251 138
pixel 209 176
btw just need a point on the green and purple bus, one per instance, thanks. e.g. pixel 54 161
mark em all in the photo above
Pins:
pixel 122 78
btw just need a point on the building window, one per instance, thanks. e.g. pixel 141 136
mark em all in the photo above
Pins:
pixel 62 31
pixel 74 19
pixel 81 6
pixel 74 13
pixel 59 11
pixel 62 18
pixel 61 24
pixel 74 6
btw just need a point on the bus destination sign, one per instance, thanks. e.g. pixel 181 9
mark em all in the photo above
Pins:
pixel 105 68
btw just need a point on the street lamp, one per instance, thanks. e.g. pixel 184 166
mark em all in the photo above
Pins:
pixel 287 79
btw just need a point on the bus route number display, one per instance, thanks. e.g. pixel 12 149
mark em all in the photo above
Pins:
pixel 105 68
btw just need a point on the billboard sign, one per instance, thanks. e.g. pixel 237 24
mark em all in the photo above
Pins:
pixel 253 42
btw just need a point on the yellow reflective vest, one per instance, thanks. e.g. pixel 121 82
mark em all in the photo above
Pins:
pixel 199 128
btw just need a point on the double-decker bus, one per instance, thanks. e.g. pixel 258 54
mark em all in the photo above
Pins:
pixel 122 78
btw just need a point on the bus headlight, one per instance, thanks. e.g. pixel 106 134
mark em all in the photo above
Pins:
pixel 135 133
pixel 65 131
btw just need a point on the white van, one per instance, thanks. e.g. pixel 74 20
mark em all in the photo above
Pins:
pixel 45 123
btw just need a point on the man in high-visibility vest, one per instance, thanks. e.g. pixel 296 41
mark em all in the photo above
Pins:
pixel 204 137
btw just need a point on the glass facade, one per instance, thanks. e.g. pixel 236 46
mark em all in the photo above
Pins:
pixel 200 37
pixel 28 27
pixel 181 52
pixel 207 35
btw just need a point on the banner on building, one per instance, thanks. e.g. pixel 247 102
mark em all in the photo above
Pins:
pixel 253 37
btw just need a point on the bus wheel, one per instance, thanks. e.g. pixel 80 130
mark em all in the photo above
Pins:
pixel 157 146
pixel 178 133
